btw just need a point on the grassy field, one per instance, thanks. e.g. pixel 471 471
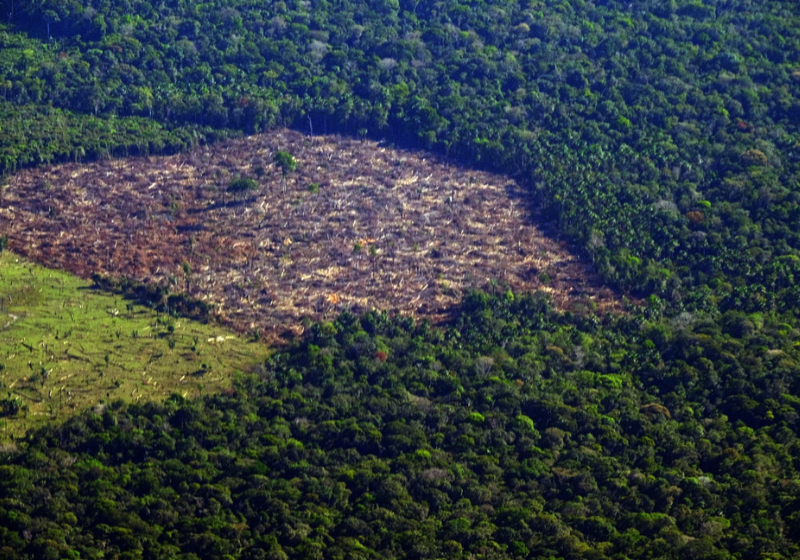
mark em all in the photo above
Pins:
pixel 65 346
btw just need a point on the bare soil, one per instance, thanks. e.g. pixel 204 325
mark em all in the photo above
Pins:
pixel 386 229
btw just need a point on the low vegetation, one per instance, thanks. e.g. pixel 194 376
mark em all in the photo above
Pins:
pixel 64 347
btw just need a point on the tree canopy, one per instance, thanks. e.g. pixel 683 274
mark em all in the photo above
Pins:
pixel 519 432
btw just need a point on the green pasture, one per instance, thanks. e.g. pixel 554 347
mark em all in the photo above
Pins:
pixel 65 346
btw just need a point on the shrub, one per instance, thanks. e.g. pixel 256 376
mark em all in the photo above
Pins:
pixel 242 184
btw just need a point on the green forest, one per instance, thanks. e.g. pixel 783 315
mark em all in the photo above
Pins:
pixel 660 138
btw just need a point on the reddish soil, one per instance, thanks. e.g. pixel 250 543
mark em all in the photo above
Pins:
pixel 387 229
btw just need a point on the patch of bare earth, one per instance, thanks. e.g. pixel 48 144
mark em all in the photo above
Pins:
pixel 386 229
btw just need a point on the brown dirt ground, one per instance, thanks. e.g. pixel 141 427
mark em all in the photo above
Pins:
pixel 427 230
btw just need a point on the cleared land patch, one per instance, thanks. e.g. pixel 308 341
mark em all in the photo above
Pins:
pixel 65 346
pixel 357 225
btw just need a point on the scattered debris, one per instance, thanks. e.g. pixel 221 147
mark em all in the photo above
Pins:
pixel 385 229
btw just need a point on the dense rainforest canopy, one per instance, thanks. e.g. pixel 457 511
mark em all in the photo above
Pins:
pixel 660 136
pixel 518 433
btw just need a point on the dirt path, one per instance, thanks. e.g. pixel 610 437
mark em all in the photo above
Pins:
pixel 384 229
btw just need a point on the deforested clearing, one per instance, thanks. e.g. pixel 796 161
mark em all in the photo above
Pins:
pixel 355 226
